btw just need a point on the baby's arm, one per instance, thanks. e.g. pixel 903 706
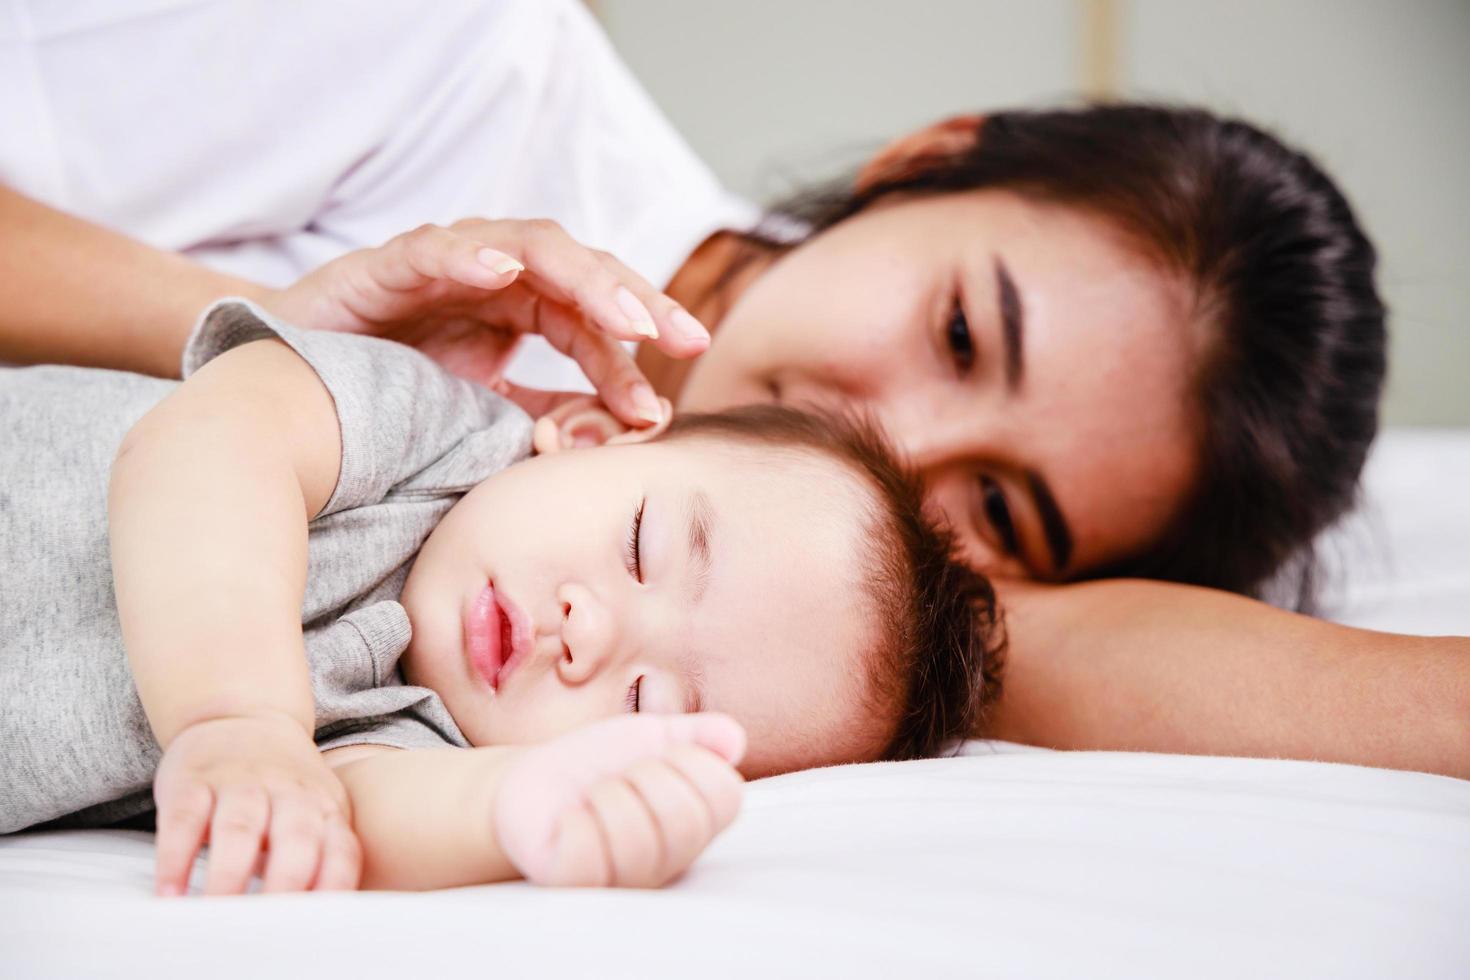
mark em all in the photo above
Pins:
pixel 210 496
pixel 629 801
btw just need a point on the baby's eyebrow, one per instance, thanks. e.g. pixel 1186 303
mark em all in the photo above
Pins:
pixel 694 688
pixel 701 516
pixel 700 513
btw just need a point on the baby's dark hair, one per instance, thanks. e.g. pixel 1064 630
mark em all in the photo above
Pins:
pixel 936 666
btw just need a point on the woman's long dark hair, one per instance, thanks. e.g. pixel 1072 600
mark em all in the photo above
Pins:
pixel 1288 389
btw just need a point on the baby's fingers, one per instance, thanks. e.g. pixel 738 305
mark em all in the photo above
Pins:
pixel 630 833
pixel 183 818
pixel 715 780
pixel 297 829
pixel 580 858
pixel 341 868
pixel 241 817
pixel 684 821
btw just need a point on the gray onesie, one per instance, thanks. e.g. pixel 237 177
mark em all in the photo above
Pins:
pixel 76 749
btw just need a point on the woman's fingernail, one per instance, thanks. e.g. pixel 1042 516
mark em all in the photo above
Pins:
pixel 498 262
pixel 637 314
pixel 689 327
pixel 646 403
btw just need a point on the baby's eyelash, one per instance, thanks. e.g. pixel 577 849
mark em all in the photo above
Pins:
pixel 635 693
pixel 634 552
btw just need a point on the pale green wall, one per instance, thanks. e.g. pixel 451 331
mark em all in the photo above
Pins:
pixel 772 92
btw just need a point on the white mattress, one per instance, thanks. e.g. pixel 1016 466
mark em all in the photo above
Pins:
pixel 1009 862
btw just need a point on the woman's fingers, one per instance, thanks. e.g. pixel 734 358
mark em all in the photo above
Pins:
pixel 679 333
pixel 607 364
pixel 615 299
pixel 537 402
pixel 182 822
pixel 430 253
pixel 564 270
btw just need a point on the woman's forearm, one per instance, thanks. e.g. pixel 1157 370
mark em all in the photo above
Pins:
pixel 1147 666
pixel 423 817
pixel 76 293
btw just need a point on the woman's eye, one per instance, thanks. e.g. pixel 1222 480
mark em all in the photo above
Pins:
pixel 998 513
pixel 633 552
pixel 957 336
pixel 630 702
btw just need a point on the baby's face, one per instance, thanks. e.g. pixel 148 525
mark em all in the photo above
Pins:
pixel 673 576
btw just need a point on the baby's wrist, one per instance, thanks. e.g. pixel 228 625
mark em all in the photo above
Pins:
pixel 279 720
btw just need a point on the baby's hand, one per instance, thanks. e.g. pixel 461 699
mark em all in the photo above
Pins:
pixel 247 784
pixel 628 802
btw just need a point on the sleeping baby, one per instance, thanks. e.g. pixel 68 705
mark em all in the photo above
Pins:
pixel 303 608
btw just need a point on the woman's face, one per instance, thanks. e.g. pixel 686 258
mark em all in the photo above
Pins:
pixel 1033 366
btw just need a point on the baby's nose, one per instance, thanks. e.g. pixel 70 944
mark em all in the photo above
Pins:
pixel 587 630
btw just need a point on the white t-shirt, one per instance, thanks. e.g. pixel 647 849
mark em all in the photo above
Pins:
pixel 265 137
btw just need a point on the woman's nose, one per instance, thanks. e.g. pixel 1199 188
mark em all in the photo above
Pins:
pixel 924 432
pixel 587 633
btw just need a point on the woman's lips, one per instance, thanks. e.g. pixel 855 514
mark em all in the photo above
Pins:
pixel 497 635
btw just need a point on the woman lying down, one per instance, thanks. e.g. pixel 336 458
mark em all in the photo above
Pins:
pixel 349 638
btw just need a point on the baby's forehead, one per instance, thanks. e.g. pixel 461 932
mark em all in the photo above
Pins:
pixel 803 509
pixel 757 460
pixel 793 530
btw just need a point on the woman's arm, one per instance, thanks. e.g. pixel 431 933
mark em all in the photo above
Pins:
pixel 76 293
pixel 1149 666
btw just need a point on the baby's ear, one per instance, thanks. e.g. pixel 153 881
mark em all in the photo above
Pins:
pixel 584 422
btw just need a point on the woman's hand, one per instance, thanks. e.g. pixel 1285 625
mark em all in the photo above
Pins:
pixel 464 295
pixel 249 785
pixel 627 802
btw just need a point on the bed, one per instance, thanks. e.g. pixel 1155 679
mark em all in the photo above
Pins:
pixel 1005 862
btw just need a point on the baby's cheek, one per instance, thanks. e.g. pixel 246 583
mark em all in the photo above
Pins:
pixel 550 715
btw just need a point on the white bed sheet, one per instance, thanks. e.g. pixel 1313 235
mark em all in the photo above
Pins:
pixel 1010 862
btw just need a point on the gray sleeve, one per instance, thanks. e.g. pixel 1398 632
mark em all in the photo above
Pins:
pixel 361 697
pixel 401 415
pixel 400 731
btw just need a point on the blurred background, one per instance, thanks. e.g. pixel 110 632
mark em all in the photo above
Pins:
pixel 774 93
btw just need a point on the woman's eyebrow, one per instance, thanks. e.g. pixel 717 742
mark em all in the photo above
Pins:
pixel 1012 324
pixel 1053 524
